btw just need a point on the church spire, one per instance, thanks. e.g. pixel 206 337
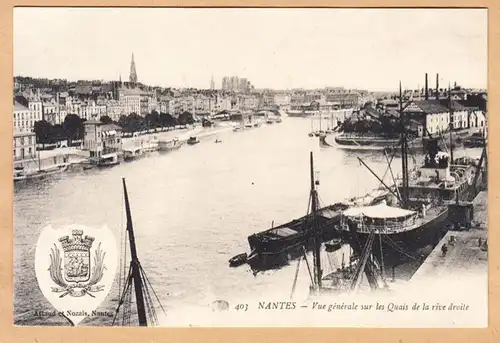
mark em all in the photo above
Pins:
pixel 133 72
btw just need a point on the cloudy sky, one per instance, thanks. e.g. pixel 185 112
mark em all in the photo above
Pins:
pixel 274 48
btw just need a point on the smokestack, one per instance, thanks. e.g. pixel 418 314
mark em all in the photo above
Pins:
pixel 426 88
pixel 437 86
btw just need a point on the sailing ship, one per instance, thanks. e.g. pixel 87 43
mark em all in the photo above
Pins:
pixel 345 278
pixel 278 245
pixel 421 216
pixel 137 279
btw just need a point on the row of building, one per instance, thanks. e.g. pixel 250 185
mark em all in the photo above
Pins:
pixel 124 98
pixel 439 115
pixel 235 84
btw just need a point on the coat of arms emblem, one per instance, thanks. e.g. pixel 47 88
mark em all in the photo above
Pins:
pixel 74 272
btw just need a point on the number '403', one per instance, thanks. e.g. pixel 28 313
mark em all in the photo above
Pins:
pixel 241 307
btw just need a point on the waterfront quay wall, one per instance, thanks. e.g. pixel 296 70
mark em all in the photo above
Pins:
pixel 466 251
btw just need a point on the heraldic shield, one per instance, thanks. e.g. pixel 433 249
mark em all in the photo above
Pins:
pixel 75 268
pixel 76 256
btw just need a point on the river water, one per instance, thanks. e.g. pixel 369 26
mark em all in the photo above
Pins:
pixel 192 210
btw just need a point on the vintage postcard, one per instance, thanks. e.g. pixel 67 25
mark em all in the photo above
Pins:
pixel 251 167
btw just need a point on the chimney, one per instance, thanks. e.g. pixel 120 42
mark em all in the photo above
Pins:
pixel 426 88
pixel 437 86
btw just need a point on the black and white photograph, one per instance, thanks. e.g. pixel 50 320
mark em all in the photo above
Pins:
pixel 250 167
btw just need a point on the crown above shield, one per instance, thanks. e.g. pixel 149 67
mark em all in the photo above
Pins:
pixel 77 242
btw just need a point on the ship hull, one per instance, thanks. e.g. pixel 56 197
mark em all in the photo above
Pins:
pixel 365 141
pixel 269 251
pixel 403 246
pixel 164 149
pixel 300 114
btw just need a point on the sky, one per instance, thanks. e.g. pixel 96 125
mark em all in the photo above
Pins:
pixel 273 48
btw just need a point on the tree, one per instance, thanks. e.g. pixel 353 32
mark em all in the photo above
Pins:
pixel 387 127
pixel 123 122
pixel 152 120
pixel 73 127
pixel 185 118
pixel 43 130
pixel 135 123
pixel 57 133
pixel 167 120
pixel 106 120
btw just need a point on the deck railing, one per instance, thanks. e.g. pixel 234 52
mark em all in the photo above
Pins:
pixel 383 228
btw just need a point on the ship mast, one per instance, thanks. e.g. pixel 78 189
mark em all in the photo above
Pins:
pixel 135 265
pixel 136 275
pixel 404 151
pixel 315 228
pixel 451 125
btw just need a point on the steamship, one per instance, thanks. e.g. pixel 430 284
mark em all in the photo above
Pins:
pixel 276 246
pixel 428 200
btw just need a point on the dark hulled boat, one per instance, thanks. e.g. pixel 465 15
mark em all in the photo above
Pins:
pixel 366 141
pixel 422 215
pixel 276 246
pixel 402 231
pixel 193 140
pixel 238 260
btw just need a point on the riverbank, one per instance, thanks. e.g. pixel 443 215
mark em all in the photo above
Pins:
pixel 183 135
pixel 148 142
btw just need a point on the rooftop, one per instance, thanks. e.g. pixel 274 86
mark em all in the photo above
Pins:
pixel 19 107
pixel 111 127
pixel 431 106
pixel 93 122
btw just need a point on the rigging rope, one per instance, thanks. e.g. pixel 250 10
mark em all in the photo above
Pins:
pixel 120 274
pixel 307 263
pixel 123 295
pixel 128 310
pixel 365 254
pixel 149 302
pixel 295 279
pixel 394 244
pixel 150 285
pixel 382 271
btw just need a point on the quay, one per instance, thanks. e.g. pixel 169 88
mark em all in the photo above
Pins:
pixel 65 158
pixel 466 251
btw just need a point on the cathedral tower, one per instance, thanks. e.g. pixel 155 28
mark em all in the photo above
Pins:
pixel 133 73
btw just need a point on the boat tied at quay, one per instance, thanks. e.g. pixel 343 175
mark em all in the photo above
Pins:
pixel 278 245
pixel 413 213
pixel 169 145
pixel 424 198
pixel 22 174
pixel 380 234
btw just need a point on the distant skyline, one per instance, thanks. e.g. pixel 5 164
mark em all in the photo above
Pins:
pixel 273 48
